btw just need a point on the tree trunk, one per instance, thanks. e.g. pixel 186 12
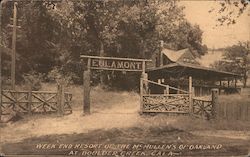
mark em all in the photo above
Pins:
pixel 142 49
pixel 245 81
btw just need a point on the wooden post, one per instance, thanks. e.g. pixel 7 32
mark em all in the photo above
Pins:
pixel 1 85
pixel 179 87
pixel 143 76
pixel 166 91
pixel 193 93
pixel 214 103
pixel 13 55
pixel 141 95
pixel 200 93
pixel 220 87
pixel 60 99
pixel 1 78
pixel 86 89
pixel 235 82
pixel 1 66
pixel 161 59
pixel 29 99
pixel 202 109
pixel 190 95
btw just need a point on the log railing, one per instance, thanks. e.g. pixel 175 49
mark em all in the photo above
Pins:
pixel 36 102
pixel 183 103
pixel 171 103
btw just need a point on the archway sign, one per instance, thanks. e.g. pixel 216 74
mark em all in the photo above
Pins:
pixel 108 63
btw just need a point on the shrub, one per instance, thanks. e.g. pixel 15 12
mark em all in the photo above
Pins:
pixel 60 77
pixel 33 79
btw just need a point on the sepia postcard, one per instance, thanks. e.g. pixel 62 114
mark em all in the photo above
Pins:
pixel 125 78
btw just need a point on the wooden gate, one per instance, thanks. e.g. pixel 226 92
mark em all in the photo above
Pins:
pixel 166 102
pixel 202 107
pixel 35 102
pixel 182 103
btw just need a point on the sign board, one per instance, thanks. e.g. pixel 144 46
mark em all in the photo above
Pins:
pixel 113 63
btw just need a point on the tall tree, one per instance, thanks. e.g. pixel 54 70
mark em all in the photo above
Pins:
pixel 53 35
pixel 236 59
pixel 188 36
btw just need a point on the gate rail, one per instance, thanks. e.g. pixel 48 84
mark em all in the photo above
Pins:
pixel 171 103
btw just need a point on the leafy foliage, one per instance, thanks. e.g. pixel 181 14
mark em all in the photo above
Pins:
pixel 33 79
pixel 53 35
pixel 236 60
pixel 230 11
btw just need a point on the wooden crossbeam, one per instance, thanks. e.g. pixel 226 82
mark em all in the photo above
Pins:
pixel 20 98
pixel 46 100
pixel 43 102
pixel 8 97
pixel 51 107
pixel 168 103
pixel 202 106
pixel 166 86
pixel 3 106
pixel 19 105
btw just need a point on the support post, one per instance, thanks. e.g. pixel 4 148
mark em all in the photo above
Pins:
pixel 166 91
pixel 13 55
pixel 1 66
pixel 29 99
pixel 86 89
pixel 220 87
pixel 179 87
pixel 60 99
pixel 235 82
pixel 200 93
pixel 190 95
pixel 1 80
pixel 214 103
pixel 161 59
pixel 193 93
pixel 141 95
pixel 143 76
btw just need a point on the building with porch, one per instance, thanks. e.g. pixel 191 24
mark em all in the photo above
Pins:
pixel 174 68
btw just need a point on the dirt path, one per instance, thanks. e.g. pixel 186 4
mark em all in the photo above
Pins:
pixel 120 114
pixel 75 123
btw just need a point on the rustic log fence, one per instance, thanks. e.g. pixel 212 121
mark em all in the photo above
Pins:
pixel 170 103
pixel 30 102
pixel 206 107
pixel 183 102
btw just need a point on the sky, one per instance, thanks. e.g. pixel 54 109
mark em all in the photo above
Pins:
pixel 216 36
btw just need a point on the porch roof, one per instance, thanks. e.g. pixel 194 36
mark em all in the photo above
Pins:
pixel 196 71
